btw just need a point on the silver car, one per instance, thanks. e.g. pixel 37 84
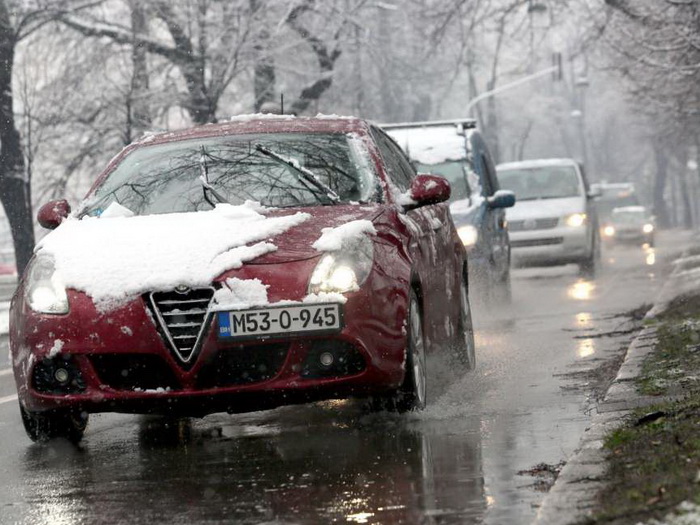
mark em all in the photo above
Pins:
pixel 554 220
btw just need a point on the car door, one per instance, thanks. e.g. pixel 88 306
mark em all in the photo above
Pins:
pixel 428 246
pixel 494 229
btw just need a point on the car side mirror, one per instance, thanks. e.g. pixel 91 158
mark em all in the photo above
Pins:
pixel 428 189
pixel 53 213
pixel 594 193
pixel 502 199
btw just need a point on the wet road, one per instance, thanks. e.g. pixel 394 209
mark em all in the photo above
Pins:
pixel 457 462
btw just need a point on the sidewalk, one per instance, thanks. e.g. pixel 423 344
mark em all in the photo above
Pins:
pixel 573 497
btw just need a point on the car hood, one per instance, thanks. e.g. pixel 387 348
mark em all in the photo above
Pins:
pixel 117 257
pixel 296 243
pixel 545 208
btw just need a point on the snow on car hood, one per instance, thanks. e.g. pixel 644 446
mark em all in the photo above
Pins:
pixel 544 208
pixel 116 258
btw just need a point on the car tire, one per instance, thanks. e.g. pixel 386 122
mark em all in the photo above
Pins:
pixel 411 395
pixel 501 293
pixel 52 424
pixel 465 345
pixel 589 266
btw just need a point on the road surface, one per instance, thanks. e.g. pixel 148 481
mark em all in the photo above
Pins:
pixel 460 461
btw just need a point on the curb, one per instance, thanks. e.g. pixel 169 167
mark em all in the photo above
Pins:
pixel 572 498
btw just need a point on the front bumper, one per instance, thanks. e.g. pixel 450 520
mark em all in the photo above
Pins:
pixel 553 246
pixel 121 363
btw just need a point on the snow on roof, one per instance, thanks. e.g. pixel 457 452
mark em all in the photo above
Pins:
pixel 247 117
pixel 116 259
pixel 629 209
pixel 431 145
pixel 535 163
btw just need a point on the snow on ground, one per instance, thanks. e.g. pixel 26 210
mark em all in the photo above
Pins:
pixel 116 259
pixel 687 513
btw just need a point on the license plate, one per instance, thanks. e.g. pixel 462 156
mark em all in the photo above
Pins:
pixel 280 321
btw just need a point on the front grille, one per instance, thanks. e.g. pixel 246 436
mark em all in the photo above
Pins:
pixel 183 318
pixel 134 372
pixel 533 224
pixel 243 365
pixel 536 242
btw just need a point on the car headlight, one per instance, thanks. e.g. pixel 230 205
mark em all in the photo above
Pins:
pixel 340 272
pixel 469 235
pixel 575 220
pixel 609 231
pixel 648 228
pixel 45 290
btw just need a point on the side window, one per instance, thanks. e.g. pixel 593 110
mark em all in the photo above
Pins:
pixel 407 169
pixel 490 175
pixel 483 166
pixel 393 161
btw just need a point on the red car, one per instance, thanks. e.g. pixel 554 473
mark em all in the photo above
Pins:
pixel 241 266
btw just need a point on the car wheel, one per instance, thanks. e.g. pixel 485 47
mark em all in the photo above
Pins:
pixel 467 352
pixel 51 424
pixel 501 291
pixel 411 395
pixel 589 266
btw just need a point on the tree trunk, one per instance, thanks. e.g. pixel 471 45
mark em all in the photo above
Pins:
pixel 138 111
pixel 264 70
pixel 660 178
pixel 14 182
pixel 687 216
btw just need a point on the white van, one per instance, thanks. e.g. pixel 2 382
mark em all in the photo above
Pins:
pixel 554 220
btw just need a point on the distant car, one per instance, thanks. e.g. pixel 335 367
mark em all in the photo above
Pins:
pixel 630 224
pixel 554 220
pixel 455 150
pixel 240 266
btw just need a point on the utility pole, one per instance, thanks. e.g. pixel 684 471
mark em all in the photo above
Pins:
pixel 555 70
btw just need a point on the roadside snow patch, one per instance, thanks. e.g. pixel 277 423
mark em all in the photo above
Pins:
pixel 344 237
pixel 118 259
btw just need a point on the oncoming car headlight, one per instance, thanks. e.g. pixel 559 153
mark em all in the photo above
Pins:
pixel 609 231
pixel 648 228
pixel 575 220
pixel 468 234
pixel 340 272
pixel 45 291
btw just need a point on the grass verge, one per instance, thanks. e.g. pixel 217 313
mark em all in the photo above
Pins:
pixel 654 461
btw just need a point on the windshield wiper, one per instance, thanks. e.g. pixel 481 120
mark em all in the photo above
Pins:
pixel 204 179
pixel 305 174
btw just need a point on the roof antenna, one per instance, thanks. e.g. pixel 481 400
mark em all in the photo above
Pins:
pixel 281 103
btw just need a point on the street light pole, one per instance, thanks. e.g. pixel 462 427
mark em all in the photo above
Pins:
pixel 556 68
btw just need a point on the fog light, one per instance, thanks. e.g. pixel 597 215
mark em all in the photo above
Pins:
pixel 326 359
pixel 61 375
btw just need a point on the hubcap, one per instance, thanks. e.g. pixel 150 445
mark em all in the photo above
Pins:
pixel 418 354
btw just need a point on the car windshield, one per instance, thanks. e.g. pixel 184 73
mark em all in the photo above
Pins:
pixel 550 182
pixel 628 217
pixel 454 172
pixel 172 177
